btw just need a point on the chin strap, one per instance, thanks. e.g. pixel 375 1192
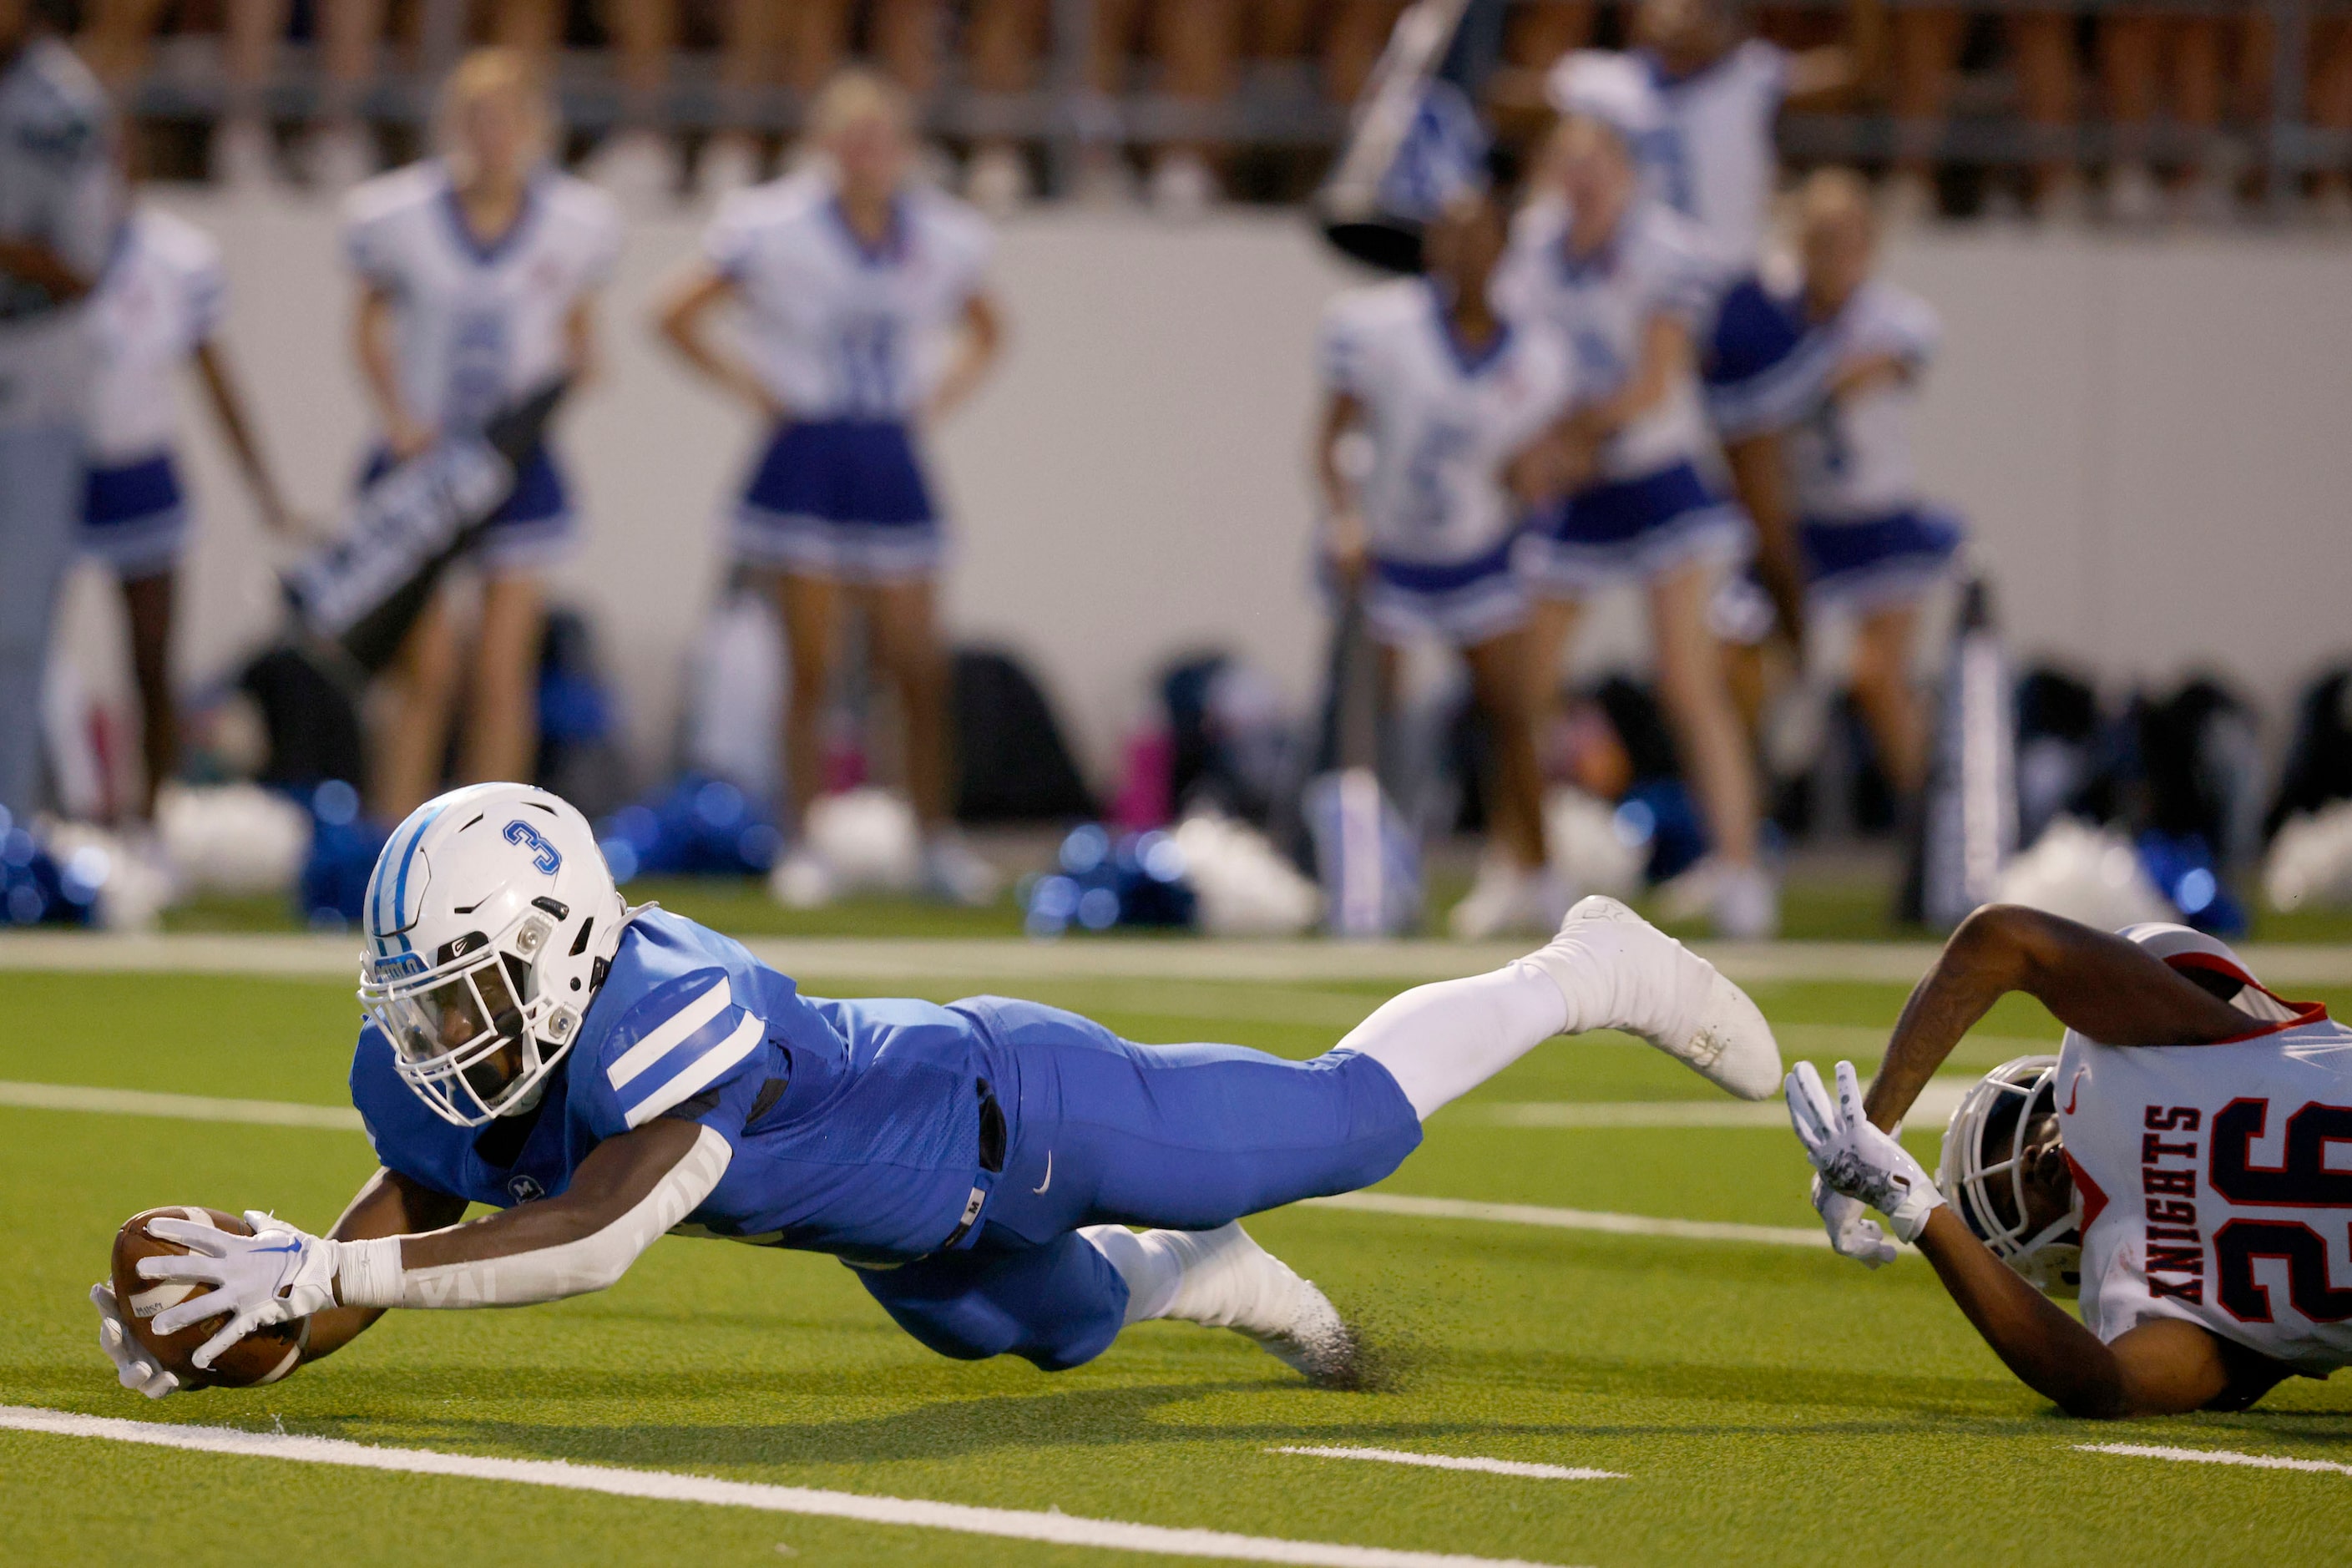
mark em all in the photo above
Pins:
pixel 370 1273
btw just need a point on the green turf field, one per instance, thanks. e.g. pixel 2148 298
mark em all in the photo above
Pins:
pixel 1763 1404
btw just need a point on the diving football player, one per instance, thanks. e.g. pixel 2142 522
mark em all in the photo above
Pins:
pixel 602 1075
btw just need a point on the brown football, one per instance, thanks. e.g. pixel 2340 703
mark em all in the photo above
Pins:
pixel 264 1355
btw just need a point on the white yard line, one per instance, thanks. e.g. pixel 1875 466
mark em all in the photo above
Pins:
pixel 1573 1219
pixel 1016 1524
pixel 1933 1108
pixel 281 1113
pixel 184 1107
pixel 1452 1462
pixel 2215 1456
pixel 954 959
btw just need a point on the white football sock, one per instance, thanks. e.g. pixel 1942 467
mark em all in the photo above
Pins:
pixel 1440 1041
pixel 1152 1273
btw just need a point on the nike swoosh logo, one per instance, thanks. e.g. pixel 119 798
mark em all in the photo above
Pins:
pixel 1049 1173
pixel 2072 1090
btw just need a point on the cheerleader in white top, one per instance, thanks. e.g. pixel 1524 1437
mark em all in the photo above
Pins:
pixel 1872 546
pixel 478 271
pixel 158 306
pixel 1621 277
pixel 1447 396
pixel 864 317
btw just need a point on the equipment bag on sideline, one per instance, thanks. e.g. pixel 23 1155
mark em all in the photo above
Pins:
pixel 1011 763
pixel 2319 760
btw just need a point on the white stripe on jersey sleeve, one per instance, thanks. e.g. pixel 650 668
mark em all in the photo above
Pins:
pixel 701 1071
pixel 667 1036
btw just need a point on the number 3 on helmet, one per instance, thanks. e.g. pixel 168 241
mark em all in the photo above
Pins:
pixel 490 922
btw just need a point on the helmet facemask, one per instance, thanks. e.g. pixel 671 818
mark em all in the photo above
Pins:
pixel 471 1032
pixel 1984 1173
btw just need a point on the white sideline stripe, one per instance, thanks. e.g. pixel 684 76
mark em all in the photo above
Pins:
pixel 185 1107
pixel 1061 1530
pixel 1451 1462
pixel 701 1070
pixel 1573 1220
pixel 2215 1456
pixel 280 1113
pixel 666 1038
pixel 1933 1108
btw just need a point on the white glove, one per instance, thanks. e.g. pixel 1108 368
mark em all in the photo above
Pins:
pixel 1855 1159
pixel 1850 1234
pixel 274 1276
pixel 131 1367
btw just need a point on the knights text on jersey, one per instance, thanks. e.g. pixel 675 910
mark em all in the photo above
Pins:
pixel 2210 1186
pixel 836 328
pixel 853 1126
pixel 163 293
pixel 477 323
pixel 1444 420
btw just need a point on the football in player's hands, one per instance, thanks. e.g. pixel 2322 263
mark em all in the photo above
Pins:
pixel 264 1355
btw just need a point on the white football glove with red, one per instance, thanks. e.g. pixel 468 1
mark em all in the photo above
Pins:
pixel 274 1276
pixel 133 1369
pixel 1855 1158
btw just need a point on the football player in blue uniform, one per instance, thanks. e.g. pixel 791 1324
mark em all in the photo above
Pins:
pixel 602 1075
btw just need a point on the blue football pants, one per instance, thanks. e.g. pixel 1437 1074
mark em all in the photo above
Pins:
pixel 1105 1131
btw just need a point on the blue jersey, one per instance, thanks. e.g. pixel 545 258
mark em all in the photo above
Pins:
pixel 855 1126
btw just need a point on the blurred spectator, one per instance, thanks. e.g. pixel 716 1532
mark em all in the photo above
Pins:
pixel 2164 64
pixel 2042 57
pixel 60 205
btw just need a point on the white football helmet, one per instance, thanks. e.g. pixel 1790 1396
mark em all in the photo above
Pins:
pixel 490 922
pixel 1981 1172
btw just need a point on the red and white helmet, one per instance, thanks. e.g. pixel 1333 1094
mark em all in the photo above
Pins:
pixel 490 922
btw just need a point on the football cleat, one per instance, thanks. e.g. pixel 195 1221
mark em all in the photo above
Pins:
pixel 1229 1281
pixel 1619 971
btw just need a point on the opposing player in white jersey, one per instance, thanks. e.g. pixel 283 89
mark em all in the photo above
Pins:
pixel 865 317
pixel 160 305
pixel 1446 396
pixel 1712 158
pixel 1621 279
pixel 2171 1163
pixel 60 205
pixel 478 271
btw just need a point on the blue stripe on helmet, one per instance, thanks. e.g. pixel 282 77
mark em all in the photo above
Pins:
pixel 400 921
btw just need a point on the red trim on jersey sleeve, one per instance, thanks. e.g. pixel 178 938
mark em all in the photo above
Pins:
pixel 2305 1012
pixel 2095 1202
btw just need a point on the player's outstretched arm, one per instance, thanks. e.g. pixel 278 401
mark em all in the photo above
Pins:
pixel 625 1194
pixel 2103 986
pixel 2164 1367
pixel 389 1205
